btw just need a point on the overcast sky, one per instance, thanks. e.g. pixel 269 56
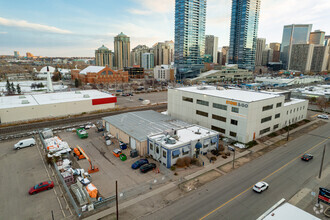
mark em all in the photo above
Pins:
pixel 77 28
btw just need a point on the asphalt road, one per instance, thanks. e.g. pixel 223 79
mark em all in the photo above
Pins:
pixel 231 196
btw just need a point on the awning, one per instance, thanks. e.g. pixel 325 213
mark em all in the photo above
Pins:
pixel 206 142
pixel 214 140
pixel 176 153
pixel 185 149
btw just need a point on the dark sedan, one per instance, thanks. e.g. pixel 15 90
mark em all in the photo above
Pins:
pixel 307 157
pixel 139 163
pixel 147 167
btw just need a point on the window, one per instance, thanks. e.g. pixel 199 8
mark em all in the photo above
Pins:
pixel 219 106
pixel 266 119
pixel 221 130
pixel 202 113
pixel 234 109
pixel 220 118
pixel 233 134
pixel 157 149
pixel 175 156
pixel 164 154
pixel 303 107
pixel 278 104
pixel 267 107
pixel 287 112
pixel 277 115
pixel 151 146
pixel 264 130
pixel 300 108
pixel 275 126
pixel 185 152
pixel 290 111
pixel 201 102
pixel 187 99
pixel 233 122
pixel 103 73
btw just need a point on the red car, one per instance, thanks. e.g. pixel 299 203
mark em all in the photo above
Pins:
pixel 41 187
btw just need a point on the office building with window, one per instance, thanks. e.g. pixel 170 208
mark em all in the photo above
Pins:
pixel 147 60
pixel 238 114
pixel 317 37
pixel 189 43
pixel 103 56
pixel 261 45
pixel 211 47
pixel 122 51
pixel 243 33
pixel 293 34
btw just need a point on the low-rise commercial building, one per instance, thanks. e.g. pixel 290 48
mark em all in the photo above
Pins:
pixel 241 115
pixel 164 73
pixel 50 105
pixel 287 81
pixel 167 147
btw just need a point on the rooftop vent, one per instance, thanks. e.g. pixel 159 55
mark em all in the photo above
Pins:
pixel 77 92
pixel 86 96
pixel 22 97
pixel 198 131
pixel 201 87
pixel 170 141
pixel 25 101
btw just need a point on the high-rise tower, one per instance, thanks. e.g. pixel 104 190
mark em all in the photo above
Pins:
pixel 243 33
pixel 189 40
pixel 122 51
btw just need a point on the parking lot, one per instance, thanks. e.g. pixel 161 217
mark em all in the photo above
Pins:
pixel 111 168
pixel 131 101
pixel 19 171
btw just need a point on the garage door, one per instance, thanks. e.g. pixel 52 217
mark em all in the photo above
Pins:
pixel 132 143
pixel 107 126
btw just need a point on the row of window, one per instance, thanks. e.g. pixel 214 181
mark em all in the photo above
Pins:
pixel 268 129
pixel 216 117
pixel 291 121
pixel 263 120
pixel 268 107
pixel 223 131
pixel 206 103
pixel 294 110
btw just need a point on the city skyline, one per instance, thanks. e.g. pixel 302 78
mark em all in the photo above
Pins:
pixel 60 28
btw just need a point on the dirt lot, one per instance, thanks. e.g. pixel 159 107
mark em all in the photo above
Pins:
pixel 19 171
pixel 111 168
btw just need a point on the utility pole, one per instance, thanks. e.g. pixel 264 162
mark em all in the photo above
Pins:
pixel 287 137
pixel 322 162
pixel 234 159
pixel 117 201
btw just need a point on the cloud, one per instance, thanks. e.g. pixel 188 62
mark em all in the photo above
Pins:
pixel 157 6
pixel 3 32
pixel 139 12
pixel 32 26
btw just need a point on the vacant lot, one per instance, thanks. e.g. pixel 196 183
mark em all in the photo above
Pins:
pixel 19 171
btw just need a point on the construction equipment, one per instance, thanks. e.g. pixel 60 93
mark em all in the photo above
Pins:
pixel 91 169
pixel 77 153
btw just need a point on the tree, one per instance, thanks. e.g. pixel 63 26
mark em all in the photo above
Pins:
pixel 56 77
pixel 18 88
pixel 76 83
pixel 12 88
pixel 8 87
pixel 322 103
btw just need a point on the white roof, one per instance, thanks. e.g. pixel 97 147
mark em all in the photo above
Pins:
pixel 205 74
pixel 44 69
pixel 50 98
pixel 289 212
pixel 92 69
pixel 234 94
pixel 294 101
pixel 185 135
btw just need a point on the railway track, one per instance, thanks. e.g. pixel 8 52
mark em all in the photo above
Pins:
pixel 73 120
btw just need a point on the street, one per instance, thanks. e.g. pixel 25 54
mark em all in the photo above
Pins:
pixel 231 196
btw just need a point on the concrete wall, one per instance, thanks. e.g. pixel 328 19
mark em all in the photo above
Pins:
pixel 9 115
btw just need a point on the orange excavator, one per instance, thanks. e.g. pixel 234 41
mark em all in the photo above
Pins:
pixel 77 153
pixel 92 168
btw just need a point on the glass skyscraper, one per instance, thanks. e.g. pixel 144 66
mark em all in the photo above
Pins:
pixel 243 33
pixel 293 34
pixel 189 46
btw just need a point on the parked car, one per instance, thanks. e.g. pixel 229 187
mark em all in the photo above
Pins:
pixel 307 157
pixel 25 143
pixel 140 99
pixel 323 116
pixel 260 187
pixel 99 128
pixel 47 185
pixel 139 163
pixel 116 152
pixel 147 167
pixel 123 146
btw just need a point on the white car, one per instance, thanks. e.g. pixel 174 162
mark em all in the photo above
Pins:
pixel 323 116
pixel 260 187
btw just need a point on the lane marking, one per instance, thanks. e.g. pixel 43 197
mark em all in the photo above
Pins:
pixel 263 179
pixel 313 116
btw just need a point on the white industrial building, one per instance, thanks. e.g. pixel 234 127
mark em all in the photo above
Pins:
pixel 241 115
pixel 50 105
pixel 280 81
pixel 168 147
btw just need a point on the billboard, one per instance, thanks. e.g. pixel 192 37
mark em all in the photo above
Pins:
pixel 324 195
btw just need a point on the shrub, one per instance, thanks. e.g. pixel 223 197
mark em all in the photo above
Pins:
pixel 251 144
pixel 172 168
pixel 224 156
pixel 221 147
pixel 180 162
pixel 187 161
pixel 213 158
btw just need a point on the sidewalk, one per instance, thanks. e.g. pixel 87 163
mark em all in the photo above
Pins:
pixel 206 168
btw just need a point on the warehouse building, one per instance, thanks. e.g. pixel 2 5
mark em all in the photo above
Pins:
pixel 168 147
pixel 241 115
pixel 51 105
pixel 134 128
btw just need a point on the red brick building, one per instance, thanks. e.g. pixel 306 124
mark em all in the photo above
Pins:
pixel 99 74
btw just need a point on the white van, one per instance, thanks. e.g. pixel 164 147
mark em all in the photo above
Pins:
pixel 25 143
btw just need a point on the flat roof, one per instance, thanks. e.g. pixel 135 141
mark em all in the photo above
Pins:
pixel 50 98
pixel 234 94
pixel 289 212
pixel 140 124
pixel 91 69
pixel 185 135
pixel 294 101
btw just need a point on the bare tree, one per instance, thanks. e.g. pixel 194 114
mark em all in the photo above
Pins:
pixel 322 103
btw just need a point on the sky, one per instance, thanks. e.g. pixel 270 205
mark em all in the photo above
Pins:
pixel 76 28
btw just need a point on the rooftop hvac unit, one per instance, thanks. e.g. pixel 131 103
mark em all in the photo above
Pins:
pixel 86 96
pixel 201 87
pixel 22 97
pixel 25 102
pixel 77 92
pixel 170 141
